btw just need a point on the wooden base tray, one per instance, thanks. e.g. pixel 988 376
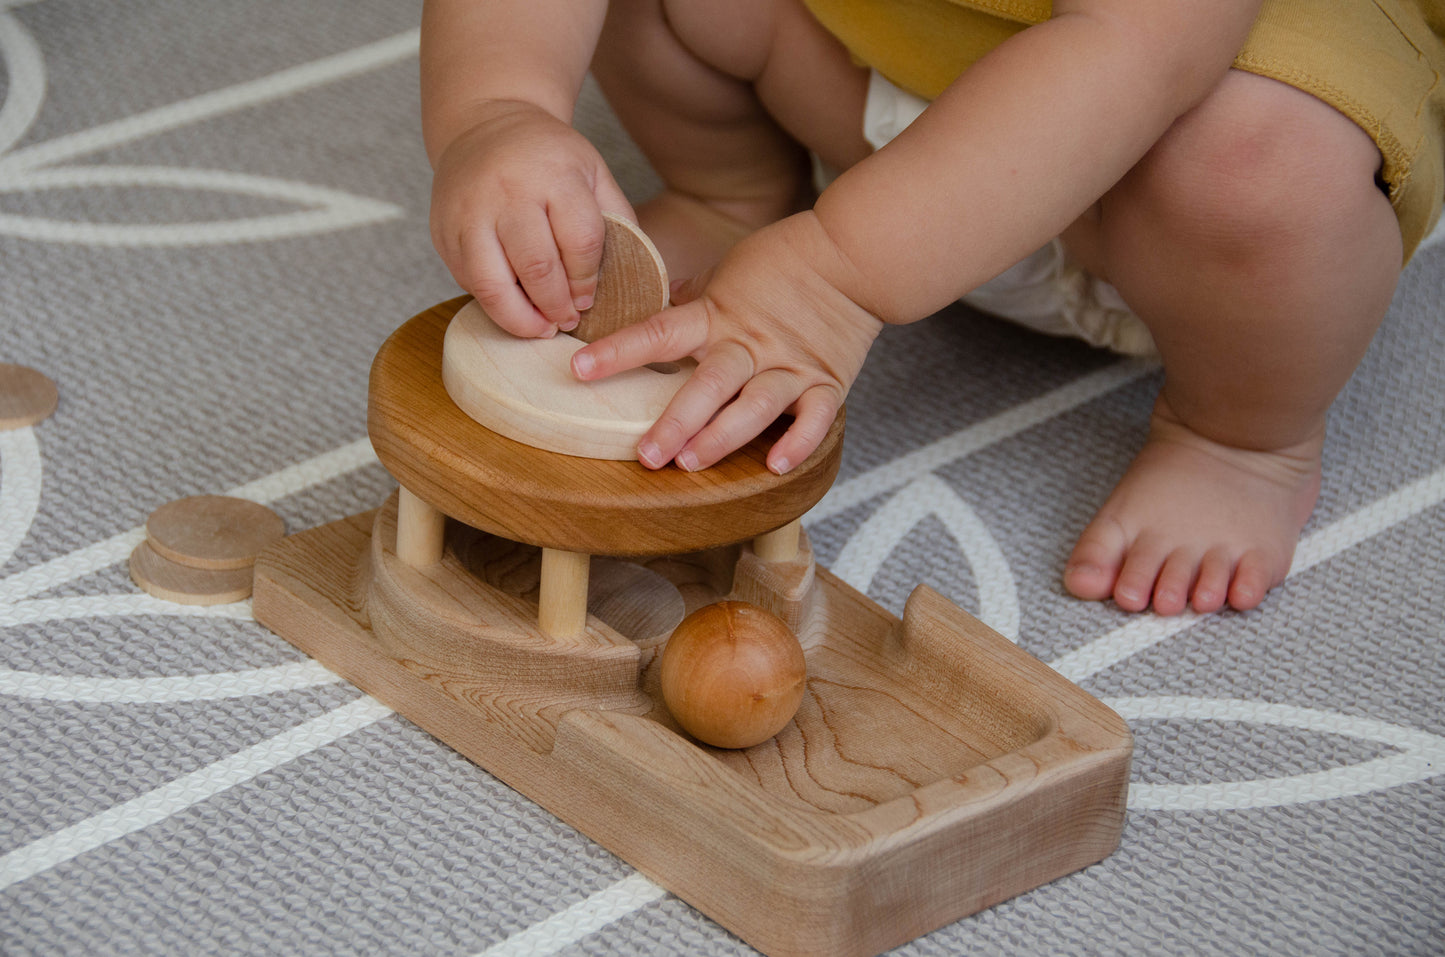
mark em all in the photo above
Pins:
pixel 933 769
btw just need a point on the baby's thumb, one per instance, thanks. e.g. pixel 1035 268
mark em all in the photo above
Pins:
pixel 683 291
pixel 611 199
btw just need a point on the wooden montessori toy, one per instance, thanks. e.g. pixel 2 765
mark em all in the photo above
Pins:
pixel 534 597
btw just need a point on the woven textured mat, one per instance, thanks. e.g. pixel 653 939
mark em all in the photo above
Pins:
pixel 212 214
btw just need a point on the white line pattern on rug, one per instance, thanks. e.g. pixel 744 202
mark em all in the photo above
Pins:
pixel 166 689
pixel 205 106
pixel 327 209
pixel 25 75
pixel 1419 755
pixel 188 790
pixel 585 917
pixel 966 441
pixel 32 168
pixel 92 558
pixel 874 542
pixel 37 611
pixel 20 490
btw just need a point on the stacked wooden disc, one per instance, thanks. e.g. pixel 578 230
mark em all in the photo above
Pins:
pixel 202 550
pixel 26 396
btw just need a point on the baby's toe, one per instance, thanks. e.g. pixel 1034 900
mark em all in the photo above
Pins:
pixel 1252 579
pixel 1212 588
pixel 1093 566
pixel 1135 587
pixel 1171 591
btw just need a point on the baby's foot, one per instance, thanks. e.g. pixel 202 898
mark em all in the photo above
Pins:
pixel 1195 522
pixel 694 234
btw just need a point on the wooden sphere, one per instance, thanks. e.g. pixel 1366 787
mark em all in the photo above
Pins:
pixel 733 674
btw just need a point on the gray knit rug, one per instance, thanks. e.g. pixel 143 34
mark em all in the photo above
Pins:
pixel 211 214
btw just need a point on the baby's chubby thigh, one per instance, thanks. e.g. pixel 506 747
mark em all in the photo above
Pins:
pixel 1254 229
pixel 1254 244
pixel 718 65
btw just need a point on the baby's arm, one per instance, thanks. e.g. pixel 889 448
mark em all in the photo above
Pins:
pixel 518 195
pixel 1007 157
pixel 1025 142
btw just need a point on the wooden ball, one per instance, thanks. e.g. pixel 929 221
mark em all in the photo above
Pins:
pixel 733 674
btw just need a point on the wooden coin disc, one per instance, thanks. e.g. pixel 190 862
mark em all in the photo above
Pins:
pixel 26 396
pixel 524 389
pixel 631 282
pixel 216 532
pixel 733 674
pixel 185 585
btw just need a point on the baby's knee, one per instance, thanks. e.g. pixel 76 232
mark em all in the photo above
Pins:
pixel 1258 169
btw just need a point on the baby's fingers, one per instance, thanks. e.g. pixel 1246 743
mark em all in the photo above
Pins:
pixel 757 406
pixel 717 381
pixel 579 231
pixel 683 291
pixel 487 275
pixel 531 248
pixel 813 416
pixel 665 337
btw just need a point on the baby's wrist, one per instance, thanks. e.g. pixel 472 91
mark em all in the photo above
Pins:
pixel 486 117
pixel 834 261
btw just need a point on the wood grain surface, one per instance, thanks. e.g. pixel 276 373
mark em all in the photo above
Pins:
pixel 631 282
pixel 933 767
pixel 185 584
pixel 213 531
pixel 524 389
pixel 595 506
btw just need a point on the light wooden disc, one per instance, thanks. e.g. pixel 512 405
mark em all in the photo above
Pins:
pixel 525 390
pixel 631 282
pixel 26 396
pixel 213 531
pixel 172 581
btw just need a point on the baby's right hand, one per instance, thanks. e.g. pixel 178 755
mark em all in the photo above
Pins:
pixel 516 214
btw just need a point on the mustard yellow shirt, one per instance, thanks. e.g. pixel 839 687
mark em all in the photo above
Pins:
pixel 1380 63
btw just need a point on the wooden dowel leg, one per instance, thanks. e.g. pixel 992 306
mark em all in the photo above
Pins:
pixel 420 531
pixel 562 605
pixel 779 545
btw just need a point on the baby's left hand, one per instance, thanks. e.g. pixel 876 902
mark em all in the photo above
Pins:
pixel 771 335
